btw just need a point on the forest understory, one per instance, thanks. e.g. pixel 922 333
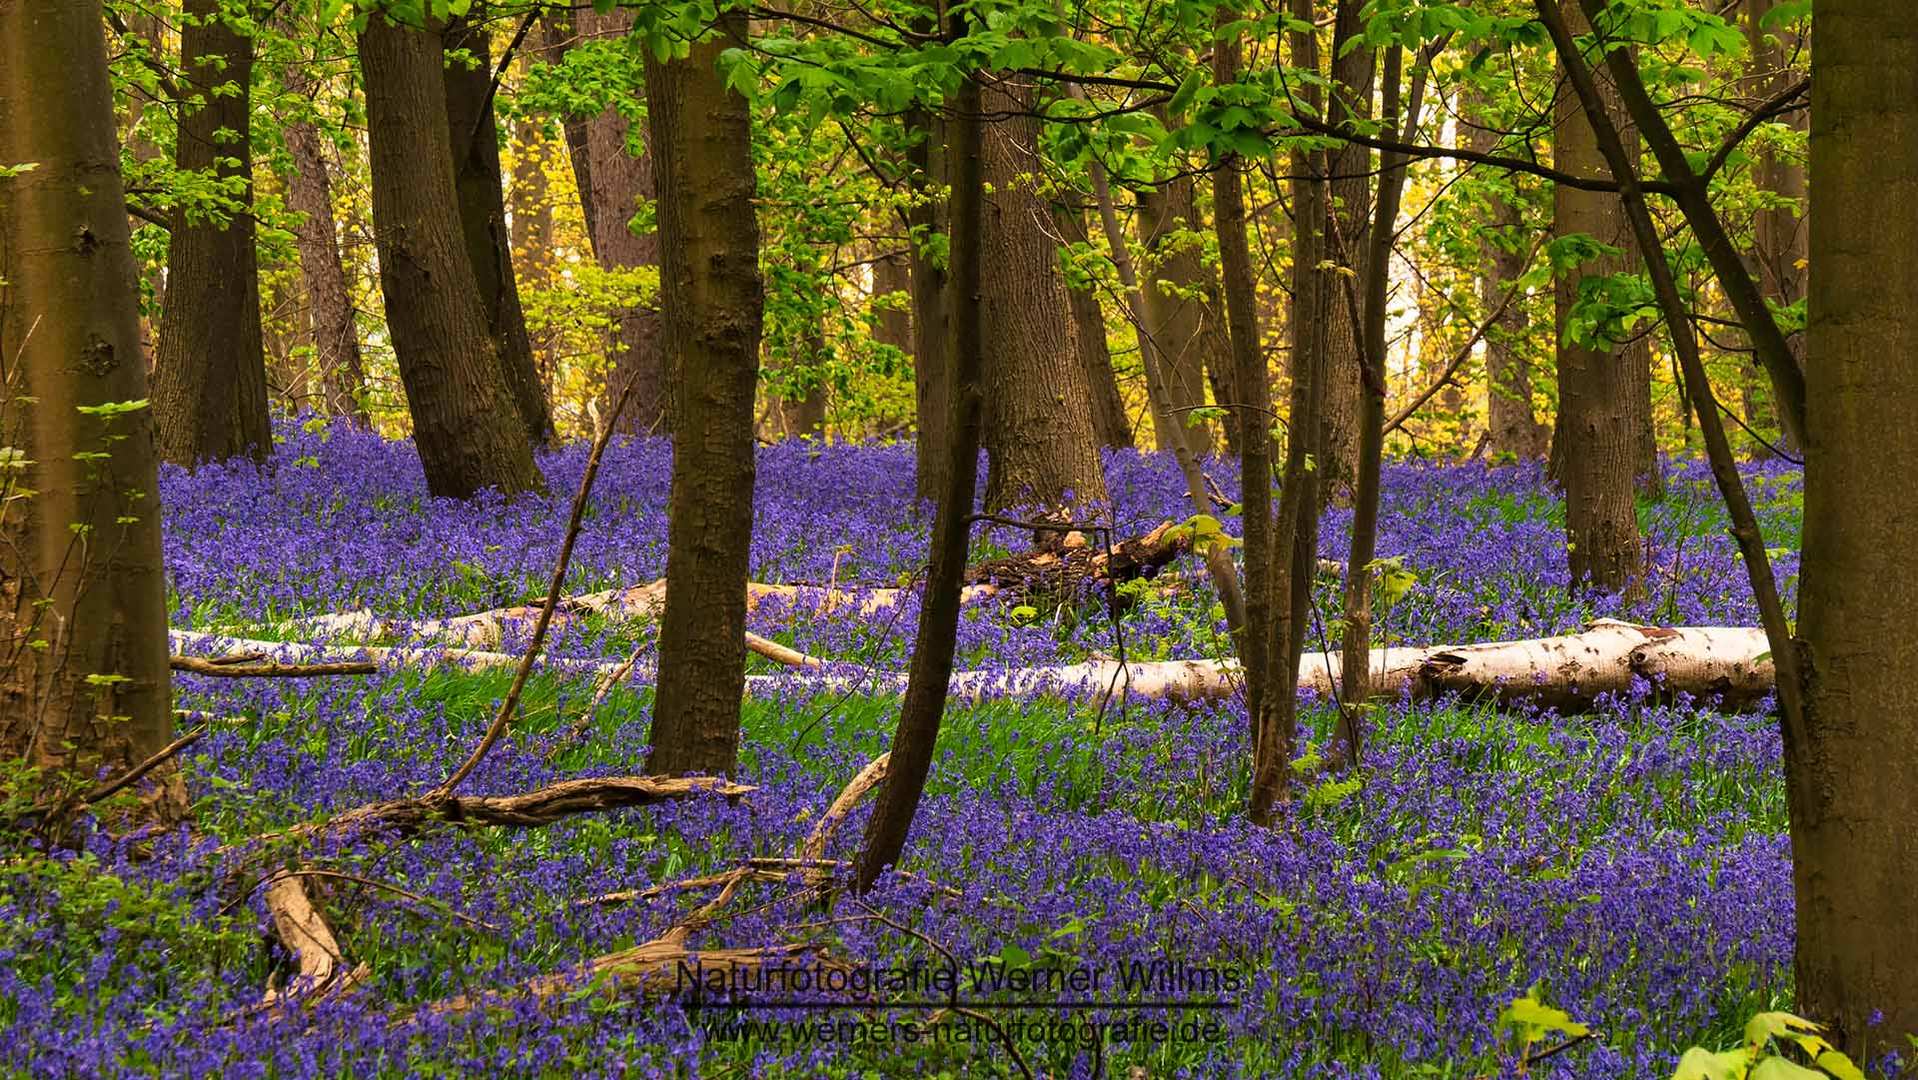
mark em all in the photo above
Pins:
pixel 1629 863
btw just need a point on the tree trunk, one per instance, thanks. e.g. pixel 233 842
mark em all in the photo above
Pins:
pixel 1596 450
pixel 84 678
pixel 1854 831
pixel 209 376
pixel 892 325
pixel 804 416
pixel 336 340
pixel 1182 326
pixel 613 181
pixel 1779 236
pixel 1040 449
pixel 474 143
pixel 930 676
pixel 1295 540
pixel 1251 397
pixel 1350 189
pixel 1513 430
pixel 931 329
pixel 469 433
pixel 531 204
pixel 1109 422
pixel 712 298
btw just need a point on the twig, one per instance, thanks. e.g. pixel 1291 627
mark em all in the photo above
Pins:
pixel 505 715
pixel 132 775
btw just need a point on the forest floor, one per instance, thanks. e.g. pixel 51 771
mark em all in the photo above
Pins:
pixel 1632 864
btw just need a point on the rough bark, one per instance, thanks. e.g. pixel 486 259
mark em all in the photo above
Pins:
pixel 1854 837
pixel 1109 422
pixel 1513 428
pixel 1597 442
pixel 469 432
pixel 928 681
pixel 1181 309
pixel 1350 209
pixel 336 340
pixel 1040 449
pixel 473 138
pixel 209 376
pixel 712 298
pixel 83 676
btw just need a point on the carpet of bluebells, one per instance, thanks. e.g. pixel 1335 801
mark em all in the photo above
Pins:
pixel 1631 864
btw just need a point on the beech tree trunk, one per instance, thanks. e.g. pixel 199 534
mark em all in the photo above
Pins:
pixel 1854 826
pixel 474 144
pixel 1350 190
pixel 614 168
pixel 1040 448
pixel 336 339
pixel 1109 422
pixel 712 298
pixel 469 432
pixel 1175 285
pixel 83 653
pixel 1596 449
pixel 209 375
pixel 931 320
pixel 1513 429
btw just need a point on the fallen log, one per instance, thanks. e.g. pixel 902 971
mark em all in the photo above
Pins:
pixel 320 971
pixel 1067 559
pixel 1567 672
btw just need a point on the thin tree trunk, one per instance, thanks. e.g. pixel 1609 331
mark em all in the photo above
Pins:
pixel 1357 644
pixel 1854 833
pixel 1596 445
pixel 1109 422
pixel 84 681
pixel 531 204
pixel 1295 543
pixel 469 433
pixel 1218 561
pixel 477 181
pixel 209 377
pixel 1175 315
pixel 1251 397
pixel 1779 235
pixel 931 360
pixel 1040 447
pixel 930 675
pixel 336 340
pixel 805 416
pixel 713 300
pixel 1513 428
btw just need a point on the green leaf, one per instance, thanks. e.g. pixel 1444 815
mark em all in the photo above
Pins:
pixel 1702 1064
pixel 1777 1068
pixel 1188 89
pixel 1839 1066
